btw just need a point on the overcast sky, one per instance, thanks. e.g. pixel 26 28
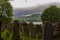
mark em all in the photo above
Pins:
pixel 29 3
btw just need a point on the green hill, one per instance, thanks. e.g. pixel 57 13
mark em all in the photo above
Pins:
pixel 32 18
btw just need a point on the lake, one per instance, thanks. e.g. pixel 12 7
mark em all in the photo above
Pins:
pixel 35 22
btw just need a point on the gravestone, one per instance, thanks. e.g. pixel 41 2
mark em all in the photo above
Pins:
pixel 33 34
pixel 39 35
pixel 16 33
pixel 26 29
pixel 7 34
pixel 0 30
pixel 48 31
pixel 59 31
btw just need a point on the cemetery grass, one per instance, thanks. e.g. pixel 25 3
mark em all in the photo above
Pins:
pixel 3 34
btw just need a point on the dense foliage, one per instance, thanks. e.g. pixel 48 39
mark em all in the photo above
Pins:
pixel 5 11
pixel 51 14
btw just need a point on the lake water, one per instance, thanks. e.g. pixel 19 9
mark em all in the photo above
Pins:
pixel 35 22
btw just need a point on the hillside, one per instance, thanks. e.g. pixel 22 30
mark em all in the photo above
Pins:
pixel 32 18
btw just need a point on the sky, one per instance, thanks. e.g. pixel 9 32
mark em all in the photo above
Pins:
pixel 29 3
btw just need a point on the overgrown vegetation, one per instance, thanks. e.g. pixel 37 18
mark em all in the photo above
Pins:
pixel 51 14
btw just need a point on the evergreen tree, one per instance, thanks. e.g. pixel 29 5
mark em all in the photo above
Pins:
pixel 51 14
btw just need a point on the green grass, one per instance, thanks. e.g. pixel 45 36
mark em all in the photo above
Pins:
pixel 3 34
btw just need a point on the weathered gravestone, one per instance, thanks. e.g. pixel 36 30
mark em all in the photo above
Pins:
pixel 16 33
pixel 25 29
pixel 7 34
pixel 48 31
pixel 33 34
pixel 59 31
pixel 0 30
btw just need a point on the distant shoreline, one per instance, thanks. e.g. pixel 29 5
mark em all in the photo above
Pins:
pixel 35 22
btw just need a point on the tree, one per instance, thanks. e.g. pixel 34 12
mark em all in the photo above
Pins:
pixel 51 14
pixel 5 13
